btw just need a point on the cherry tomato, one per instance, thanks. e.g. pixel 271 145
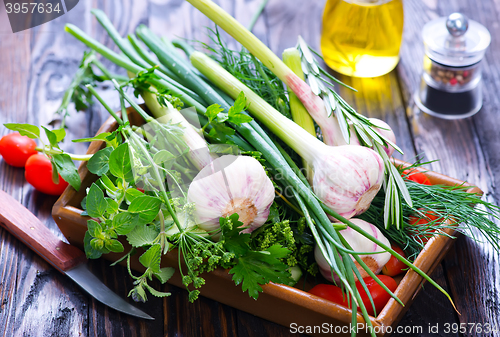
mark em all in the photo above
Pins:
pixel 16 149
pixel 395 267
pixel 39 174
pixel 416 176
pixel 331 293
pixel 379 295
pixel 415 220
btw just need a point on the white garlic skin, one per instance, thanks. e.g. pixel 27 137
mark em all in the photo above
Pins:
pixel 358 243
pixel 347 178
pixel 244 188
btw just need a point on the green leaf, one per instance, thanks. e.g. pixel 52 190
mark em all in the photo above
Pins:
pixel 131 194
pixel 212 111
pixel 253 268
pixel 222 131
pixel 234 241
pixel 124 223
pixel 164 157
pixel 96 204
pixel 224 149
pixel 28 130
pixel 97 244
pixel 112 207
pixel 256 268
pixel 151 258
pixel 114 246
pixel 142 236
pixel 235 116
pixel 67 169
pixel 165 274
pixel 94 228
pixel 155 292
pixel 239 118
pixel 55 175
pixel 99 162
pixel 51 136
pixel 90 252
pixel 119 163
pixel 101 137
pixel 146 207
pixel 60 134
pixel 107 184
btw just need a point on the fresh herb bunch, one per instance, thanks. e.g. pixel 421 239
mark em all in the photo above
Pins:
pixel 159 219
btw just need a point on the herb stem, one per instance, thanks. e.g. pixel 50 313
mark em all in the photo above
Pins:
pixel 48 150
pixel 257 14
pixel 104 104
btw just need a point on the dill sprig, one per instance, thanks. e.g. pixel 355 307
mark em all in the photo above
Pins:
pixel 246 68
pixel 454 208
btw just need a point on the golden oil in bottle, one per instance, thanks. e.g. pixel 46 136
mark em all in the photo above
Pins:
pixel 361 38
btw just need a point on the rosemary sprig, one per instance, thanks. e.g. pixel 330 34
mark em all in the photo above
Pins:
pixel 321 85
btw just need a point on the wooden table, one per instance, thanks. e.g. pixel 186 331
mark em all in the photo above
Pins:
pixel 36 66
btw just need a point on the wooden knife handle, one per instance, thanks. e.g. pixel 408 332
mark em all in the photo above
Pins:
pixel 21 223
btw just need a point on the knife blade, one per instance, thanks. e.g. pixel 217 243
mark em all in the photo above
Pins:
pixel 68 259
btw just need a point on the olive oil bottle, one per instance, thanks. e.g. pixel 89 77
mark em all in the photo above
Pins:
pixel 361 38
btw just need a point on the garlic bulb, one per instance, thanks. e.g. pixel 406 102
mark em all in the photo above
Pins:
pixel 228 185
pixel 358 243
pixel 347 178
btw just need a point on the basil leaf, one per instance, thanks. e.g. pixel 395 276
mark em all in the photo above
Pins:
pixel 124 223
pixel 28 130
pixel 146 207
pixel 99 162
pixel 67 169
pixel 119 163
pixel 96 204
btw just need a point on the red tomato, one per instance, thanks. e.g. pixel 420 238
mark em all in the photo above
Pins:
pixel 416 176
pixel 331 293
pixel 379 295
pixel 16 149
pixel 423 220
pixel 395 267
pixel 39 174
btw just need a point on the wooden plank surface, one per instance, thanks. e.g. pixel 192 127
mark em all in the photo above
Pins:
pixel 37 65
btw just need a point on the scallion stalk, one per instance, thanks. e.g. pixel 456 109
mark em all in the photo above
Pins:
pixel 124 62
pixel 291 57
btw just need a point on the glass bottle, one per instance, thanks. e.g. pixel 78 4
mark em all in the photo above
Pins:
pixel 361 38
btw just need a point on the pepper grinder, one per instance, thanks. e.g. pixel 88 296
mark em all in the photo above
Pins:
pixel 450 87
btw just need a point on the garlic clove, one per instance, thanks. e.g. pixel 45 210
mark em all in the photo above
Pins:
pixel 228 185
pixel 347 178
pixel 358 243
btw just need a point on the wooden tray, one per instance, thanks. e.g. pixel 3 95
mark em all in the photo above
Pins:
pixel 278 303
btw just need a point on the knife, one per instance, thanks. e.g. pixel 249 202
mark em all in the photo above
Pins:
pixel 68 259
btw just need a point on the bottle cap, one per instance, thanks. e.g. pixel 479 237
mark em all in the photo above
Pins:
pixel 455 40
